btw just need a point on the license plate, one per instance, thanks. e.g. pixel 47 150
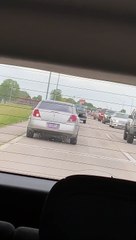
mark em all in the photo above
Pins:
pixel 53 125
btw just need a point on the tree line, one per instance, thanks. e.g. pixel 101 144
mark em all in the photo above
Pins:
pixel 10 92
pixel 56 94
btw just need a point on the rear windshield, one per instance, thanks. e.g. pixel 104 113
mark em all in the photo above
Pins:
pixel 56 107
pixel 81 108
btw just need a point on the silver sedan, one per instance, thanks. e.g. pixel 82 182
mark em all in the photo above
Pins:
pixel 56 119
pixel 119 120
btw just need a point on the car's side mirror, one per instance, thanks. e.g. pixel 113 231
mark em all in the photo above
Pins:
pixel 130 116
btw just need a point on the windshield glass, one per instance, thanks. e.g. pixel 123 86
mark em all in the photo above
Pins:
pixel 54 125
pixel 109 112
pixel 120 115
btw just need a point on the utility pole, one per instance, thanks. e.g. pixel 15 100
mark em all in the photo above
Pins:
pixel 48 86
pixel 57 85
pixel 58 81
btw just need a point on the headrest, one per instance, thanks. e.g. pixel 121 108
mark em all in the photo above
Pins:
pixel 87 207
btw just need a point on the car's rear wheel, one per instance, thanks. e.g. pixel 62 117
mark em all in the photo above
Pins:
pixel 73 140
pixel 29 133
pixel 130 138
pixel 84 121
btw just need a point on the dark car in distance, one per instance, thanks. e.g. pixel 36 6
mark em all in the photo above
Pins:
pixel 107 116
pixel 82 113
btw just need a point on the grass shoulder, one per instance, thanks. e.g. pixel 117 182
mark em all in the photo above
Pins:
pixel 13 113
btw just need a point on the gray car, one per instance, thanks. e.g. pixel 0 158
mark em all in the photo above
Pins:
pixel 119 120
pixel 53 118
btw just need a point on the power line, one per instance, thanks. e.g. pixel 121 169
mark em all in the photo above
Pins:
pixel 26 79
pixel 75 87
pixel 99 100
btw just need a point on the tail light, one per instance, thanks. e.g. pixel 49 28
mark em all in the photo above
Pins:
pixel 73 118
pixel 36 113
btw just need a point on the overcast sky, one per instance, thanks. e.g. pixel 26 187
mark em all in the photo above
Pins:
pixel 101 94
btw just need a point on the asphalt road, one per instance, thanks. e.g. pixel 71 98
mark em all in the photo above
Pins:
pixel 101 150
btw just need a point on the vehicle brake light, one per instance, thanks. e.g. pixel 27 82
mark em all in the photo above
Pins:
pixel 73 118
pixel 36 113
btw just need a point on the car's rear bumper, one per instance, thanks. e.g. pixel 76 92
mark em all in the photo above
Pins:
pixel 64 129
pixel 82 118
pixel 118 125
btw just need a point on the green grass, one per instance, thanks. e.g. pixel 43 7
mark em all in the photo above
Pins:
pixel 13 113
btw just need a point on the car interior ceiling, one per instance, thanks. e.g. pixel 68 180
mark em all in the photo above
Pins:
pixel 94 39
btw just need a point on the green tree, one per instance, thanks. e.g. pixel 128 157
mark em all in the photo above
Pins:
pixel 37 98
pixel 89 106
pixel 56 94
pixel 69 100
pixel 9 90
pixel 24 95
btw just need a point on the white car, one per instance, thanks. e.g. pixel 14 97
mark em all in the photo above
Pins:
pixel 119 120
pixel 56 119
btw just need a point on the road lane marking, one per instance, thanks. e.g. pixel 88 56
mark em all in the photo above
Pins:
pixel 129 157
pixel 70 152
pixel 13 141
pixel 108 136
pixel 17 139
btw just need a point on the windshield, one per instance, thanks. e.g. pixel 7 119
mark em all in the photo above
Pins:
pixel 120 115
pixel 42 134
pixel 110 112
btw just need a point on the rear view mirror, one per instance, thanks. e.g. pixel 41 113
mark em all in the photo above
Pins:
pixel 130 116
